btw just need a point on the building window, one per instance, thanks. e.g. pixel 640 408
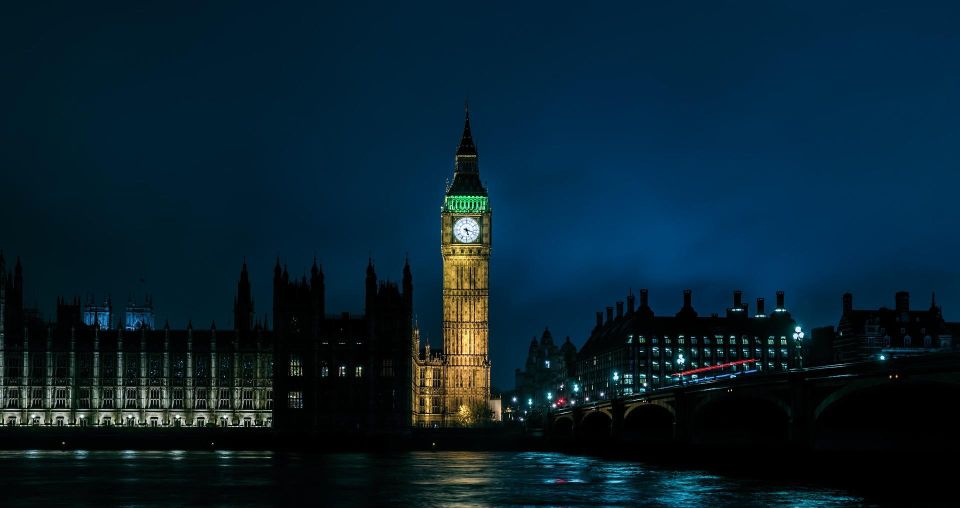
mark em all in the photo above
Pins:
pixel 358 371
pixel 324 371
pixel 154 398
pixel 342 371
pixel 224 402
pixel 546 364
pixel 131 399
pixel 387 370
pixel 13 398
pixel 295 400
pixel 60 398
pixel 177 398
pixel 270 399
pixel 36 401
pixel 200 402
pixel 248 399
pixel 106 401
pixel 296 367
pixel 907 341
pixel 84 398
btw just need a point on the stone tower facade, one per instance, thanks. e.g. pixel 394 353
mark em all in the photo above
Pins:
pixel 465 241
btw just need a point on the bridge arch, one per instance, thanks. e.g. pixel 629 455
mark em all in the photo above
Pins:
pixel 903 413
pixel 649 422
pixel 563 426
pixel 595 425
pixel 740 419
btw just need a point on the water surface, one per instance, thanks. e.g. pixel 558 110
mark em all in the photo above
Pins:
pixel 224 478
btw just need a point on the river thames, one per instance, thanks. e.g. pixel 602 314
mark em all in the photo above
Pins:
pixel 233 478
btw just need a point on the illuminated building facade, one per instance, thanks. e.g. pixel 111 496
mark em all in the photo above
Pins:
pixel 869 334
pixel 71 373
pixel 139 316
pixel 98 315
pixel 465 242
pixel 634 351
pixel 325 372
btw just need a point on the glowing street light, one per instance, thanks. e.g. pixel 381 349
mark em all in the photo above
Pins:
pixel 797 337
pixel 680 362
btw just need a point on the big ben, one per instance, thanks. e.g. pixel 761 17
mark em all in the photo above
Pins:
pixel 465 241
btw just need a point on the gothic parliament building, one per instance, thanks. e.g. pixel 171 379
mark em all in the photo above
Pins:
pixel 312 371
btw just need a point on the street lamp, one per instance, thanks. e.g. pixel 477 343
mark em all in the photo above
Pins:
pixel 797 337
pixel 616 380
pixel 680 362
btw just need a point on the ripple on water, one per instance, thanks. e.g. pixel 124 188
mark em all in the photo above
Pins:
pixel 228 478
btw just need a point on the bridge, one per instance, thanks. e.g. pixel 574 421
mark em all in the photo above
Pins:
pixel 895 403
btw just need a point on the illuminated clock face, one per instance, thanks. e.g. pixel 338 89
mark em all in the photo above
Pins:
pixel 466 230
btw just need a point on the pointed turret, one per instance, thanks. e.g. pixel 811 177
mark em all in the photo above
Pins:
pixel 466 146
pixel 243 304
pixel 317 293
pixel 466 174
pixel 407 288
pixel 371 288
pixel 18 277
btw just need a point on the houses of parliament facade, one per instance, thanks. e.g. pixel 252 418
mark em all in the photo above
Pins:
pixel 312 370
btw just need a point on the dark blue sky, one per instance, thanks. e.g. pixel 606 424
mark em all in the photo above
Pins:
pixel 715 145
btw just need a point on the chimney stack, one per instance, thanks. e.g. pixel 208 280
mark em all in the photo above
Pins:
pixel 644 299
pixel 737 299
pixel 760 307
pixel 780 300
pixel 609 314
pixel 619 310
pixel 630 303
pixel 903 301
pixel 687 299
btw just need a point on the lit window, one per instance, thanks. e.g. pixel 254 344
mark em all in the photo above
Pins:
pixel 295 400
pixel 296 366
pixel 324 371
pixel 60 396
pixel 131 400
pixel 342 371
pixel 546 364
pixel 358 372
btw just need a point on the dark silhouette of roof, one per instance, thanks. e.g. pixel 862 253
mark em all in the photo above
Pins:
pixel 466 173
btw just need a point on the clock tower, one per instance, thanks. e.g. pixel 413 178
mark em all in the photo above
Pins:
pixel 465 234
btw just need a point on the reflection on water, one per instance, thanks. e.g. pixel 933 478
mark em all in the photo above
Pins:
pixel 223 478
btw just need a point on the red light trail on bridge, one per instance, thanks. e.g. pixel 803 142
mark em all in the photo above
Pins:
pixel 714 367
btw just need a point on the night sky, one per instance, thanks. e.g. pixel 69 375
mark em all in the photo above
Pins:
pixel 712 146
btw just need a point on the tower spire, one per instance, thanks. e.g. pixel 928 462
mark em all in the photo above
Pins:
pixel 466 147
pixel 466 171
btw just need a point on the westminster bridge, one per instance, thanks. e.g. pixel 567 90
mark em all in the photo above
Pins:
pixel 896 403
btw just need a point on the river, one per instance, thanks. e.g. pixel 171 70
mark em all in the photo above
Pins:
pixel 233 478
